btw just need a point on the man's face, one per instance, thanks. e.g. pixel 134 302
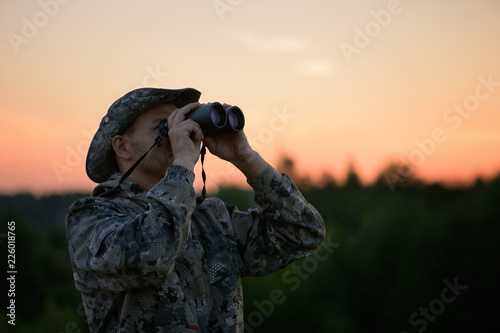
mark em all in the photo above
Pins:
pixel 142 135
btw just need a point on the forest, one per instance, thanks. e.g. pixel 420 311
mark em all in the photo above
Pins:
pixel 400 256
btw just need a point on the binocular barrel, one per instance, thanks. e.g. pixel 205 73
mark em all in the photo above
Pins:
pixel 235 120
pixel 214 119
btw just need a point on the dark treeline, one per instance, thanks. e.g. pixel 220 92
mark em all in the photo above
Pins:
pixel 407 257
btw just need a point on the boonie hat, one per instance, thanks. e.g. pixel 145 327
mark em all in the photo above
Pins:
pixel 101 162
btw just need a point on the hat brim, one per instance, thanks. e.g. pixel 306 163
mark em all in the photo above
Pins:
pixel 101 161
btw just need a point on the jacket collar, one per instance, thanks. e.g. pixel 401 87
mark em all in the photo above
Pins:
pixel 127 189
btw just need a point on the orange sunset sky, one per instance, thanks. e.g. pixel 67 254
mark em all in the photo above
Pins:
pixel 328 83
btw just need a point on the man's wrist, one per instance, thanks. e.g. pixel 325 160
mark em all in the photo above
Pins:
pixel 185 162
pixel 252 165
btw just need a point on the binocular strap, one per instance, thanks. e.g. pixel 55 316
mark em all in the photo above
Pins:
pixel 203 151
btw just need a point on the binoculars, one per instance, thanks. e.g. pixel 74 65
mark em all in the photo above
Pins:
pixel 214 119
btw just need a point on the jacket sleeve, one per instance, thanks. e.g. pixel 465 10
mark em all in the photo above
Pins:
pixel 121 248
pixel 280 229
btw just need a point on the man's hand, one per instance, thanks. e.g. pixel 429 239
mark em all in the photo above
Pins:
pixel 185 137
pixel 236 149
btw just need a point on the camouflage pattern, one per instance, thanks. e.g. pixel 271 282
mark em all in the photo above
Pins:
pixel 101 162
pixel 154 261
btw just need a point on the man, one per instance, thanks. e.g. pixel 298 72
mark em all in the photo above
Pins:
pixel 146 257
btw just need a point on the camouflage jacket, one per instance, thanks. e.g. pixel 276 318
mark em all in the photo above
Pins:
pixel 154 261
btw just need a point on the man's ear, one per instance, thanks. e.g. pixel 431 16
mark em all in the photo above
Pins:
pixel 122 147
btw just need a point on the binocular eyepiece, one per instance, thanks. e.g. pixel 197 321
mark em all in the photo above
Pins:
pixel 214 119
